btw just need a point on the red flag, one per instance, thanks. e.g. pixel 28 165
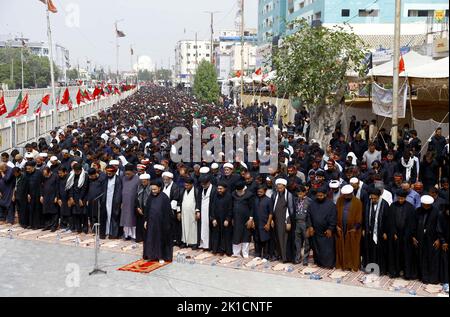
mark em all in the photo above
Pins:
pixel 258 71
pixel 86 95
pixel 401 65
pixel 238 74
pixel 79 97
pixel 45 100
pixel 116 90
pixel 66 99
pixel 97 92
pixel 51 7
pixel 3 109
pixel 16 107
pixel 23 107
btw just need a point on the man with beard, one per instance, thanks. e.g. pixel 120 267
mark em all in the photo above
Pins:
pixel 427 241
pixel 348 237
pixel 173 192
pixel 242 219
pixel 96 184
pixel 33 180
pixel 250 182
pixel 189 213
pixel 111 205
pixel 65 211
pixel 143 193
pixel 158 169
pixel 359 190
pixel 157 243
pixel 207 197
pixel 263 214
pixel 130 183
pixel 400 233
pixel 293 180
pixel 321 223
pixel 49 200
pixel 76 186
pixel 374 229
pixel 283 216
pixel 221 214
pixel 228 176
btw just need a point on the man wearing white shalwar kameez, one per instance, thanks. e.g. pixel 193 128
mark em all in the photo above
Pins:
pixel 207 189
pixel 189 215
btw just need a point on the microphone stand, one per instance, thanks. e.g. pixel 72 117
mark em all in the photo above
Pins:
pixel 96 269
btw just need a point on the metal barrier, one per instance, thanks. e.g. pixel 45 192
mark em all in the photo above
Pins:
pixel 16 132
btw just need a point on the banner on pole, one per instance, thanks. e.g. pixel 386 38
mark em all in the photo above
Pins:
pixel 382 100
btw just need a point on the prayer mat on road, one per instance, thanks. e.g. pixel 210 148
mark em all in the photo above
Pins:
pixel 143 266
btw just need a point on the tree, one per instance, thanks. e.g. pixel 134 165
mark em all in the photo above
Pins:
pixel 205 87
pixel 72 74
pixel 145 75
pixel 311 65
pixel 36 69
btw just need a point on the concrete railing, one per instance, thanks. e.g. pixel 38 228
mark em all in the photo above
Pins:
pixel 16 132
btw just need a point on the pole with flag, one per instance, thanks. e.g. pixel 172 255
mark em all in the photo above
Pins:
pixel 118 34
pixel 51 8
pixel 3 109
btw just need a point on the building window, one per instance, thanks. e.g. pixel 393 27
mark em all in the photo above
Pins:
pixel 345 12
pixel 368 13
pixel 318 16
pixel 302 5
pixel 420 13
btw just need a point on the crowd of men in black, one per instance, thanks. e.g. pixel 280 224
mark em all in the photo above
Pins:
pixel 359 200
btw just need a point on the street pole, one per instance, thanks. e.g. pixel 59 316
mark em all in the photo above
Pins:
pixel 117 55
pixel 52 75
pixel 242 53
pixel 395 80
pixel 211 13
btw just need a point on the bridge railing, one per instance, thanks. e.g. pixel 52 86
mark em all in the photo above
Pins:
pixel 16 132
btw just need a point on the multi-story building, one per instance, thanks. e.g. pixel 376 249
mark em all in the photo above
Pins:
pixel 372 20
pixel 36 48
pixel 188 54
pixel 228 52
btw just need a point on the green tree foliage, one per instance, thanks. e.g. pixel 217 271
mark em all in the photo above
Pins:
pixel 36 69
pixel 72 74
pixel 311 65
pixel 206 88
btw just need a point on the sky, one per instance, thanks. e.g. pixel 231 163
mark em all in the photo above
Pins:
pixel 152 27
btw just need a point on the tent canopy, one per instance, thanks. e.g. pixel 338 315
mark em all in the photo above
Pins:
pixel 411 59
pixel 434 69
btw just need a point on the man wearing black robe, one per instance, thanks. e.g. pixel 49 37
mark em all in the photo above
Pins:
pixel 262 215
pixel 111 205
pixel 443 226
pixel 20 197
pixel 95 188
pixel 242 218
pixel 77 188
pixel 321 222
pixel 374 246
pixel 49 199
pixel 65 211
pixel 427 241
pixel 221 214
pixel 284 221
pixel 33 183
pixel 158 244
pixel 400 234
pixel 7 183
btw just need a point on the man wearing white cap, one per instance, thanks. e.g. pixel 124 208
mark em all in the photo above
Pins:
pixel 427 241
pixel 283 218
pixel 158 169
pixel 334 190
pixel 360 190
pixel 349 227
pixel 173 192
pixel 228 176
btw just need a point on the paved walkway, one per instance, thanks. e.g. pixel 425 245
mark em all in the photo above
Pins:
pixel 34 268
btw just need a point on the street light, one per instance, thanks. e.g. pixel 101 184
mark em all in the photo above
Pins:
pixel 23 40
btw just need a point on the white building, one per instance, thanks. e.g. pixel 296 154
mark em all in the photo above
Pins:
pixel 188 54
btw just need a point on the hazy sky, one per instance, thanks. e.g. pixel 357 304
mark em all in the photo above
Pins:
pixel 86 27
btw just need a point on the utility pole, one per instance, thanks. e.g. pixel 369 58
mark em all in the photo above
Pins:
pixel 196 53
pixel 242 53
pixel 211 13
pixel 395 80
pixel 23 41
pixel 117 49
pixel 52 74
